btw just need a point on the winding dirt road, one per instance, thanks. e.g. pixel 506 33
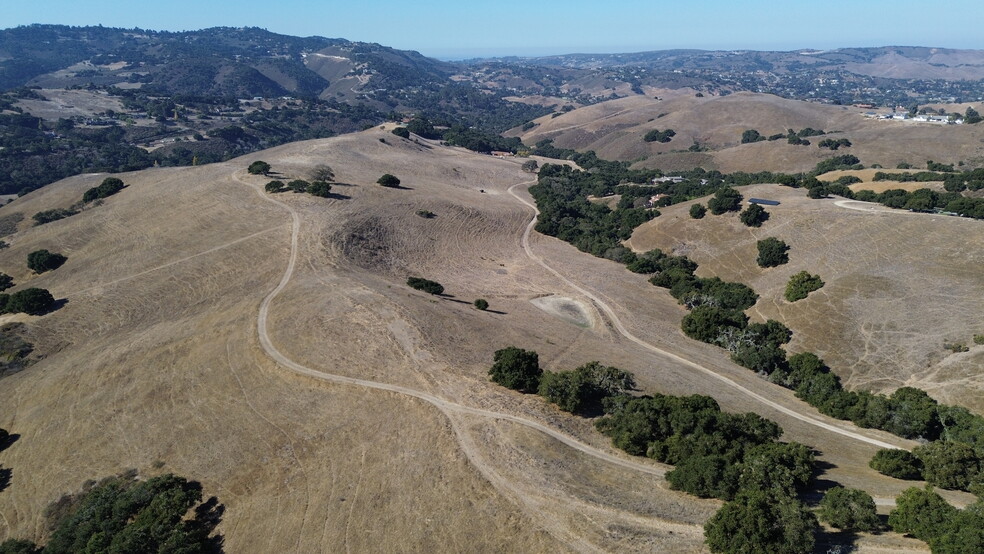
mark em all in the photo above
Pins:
pixel 617 323
pixel 445 406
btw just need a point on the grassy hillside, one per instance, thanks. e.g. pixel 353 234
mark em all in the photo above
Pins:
pixel 155 361
pixel 615 130
pixel 899 285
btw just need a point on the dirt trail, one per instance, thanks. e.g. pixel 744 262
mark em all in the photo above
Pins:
pixel 452 409
pixel 617 324
pixel 442 404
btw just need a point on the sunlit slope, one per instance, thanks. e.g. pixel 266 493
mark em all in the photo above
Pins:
pixel 899 285
pixel 615 130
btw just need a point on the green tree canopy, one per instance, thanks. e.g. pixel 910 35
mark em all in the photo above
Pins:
pixel 754 215
pixel 697 211
pixel 275 186
pixel 125 515
pixel 582 390
pixel 388 180
pixel 897 463
pixel 801 285
pixel 757 522
pixel 516 369
pixel 849 509
pixel 949 464
pixel 725 200
pixel 40 261
pixel 33 301
pixel 426 285
pixel 922 513
pixel 320 188
pixel 259 168
pixel 109 187
pixel 772 252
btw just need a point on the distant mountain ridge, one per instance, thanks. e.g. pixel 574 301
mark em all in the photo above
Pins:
pixel 897 62
pixel 217 61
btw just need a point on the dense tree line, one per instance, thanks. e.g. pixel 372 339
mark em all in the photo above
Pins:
pixel 735 457
pixel 123 514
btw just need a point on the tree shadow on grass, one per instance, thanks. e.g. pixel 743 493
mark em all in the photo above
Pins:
pixel 337 184
pixel 397 187
pixel 8 440
pixel 5 475
pixel 834 540
pixel 336 196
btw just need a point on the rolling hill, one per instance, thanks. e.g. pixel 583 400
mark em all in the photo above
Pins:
pixel 900 286
pixel 267 345
pixel 615 130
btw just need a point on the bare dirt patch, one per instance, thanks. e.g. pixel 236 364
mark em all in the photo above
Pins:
pixel 567 309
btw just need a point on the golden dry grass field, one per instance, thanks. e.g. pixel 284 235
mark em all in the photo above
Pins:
pixel 615 130
pixel 267 346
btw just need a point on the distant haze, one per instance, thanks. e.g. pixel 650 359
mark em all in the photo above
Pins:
pixel 457 30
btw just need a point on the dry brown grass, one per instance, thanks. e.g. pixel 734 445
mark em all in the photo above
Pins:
pixel 614 129
pixel 155 357
pixel 898 286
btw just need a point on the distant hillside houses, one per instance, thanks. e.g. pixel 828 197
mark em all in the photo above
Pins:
pixel 921 118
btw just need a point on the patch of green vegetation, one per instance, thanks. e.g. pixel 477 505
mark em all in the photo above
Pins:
pixel 772 252
pixel 109 187
pixel 426 285
pixel 124 514
pixel 801 285
pixel 656 135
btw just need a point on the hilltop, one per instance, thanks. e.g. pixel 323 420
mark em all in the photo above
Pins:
pixel 378 428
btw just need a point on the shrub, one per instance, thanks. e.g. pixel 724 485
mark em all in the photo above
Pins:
pixel 275 186
pixel 801 285
pixel 388 180
pixel 948 464
pixel 725 200
pixel 516 369
pixel 849 509
pixel 582 390
pixel 426 214
pixel 426 285
pixel 754 216
pixel 298 185
pixel 921 513
pixel 259 168
pixel 123 514
pixel 47 216
pixel 402 132
pixel 751 135
pixel 697 211
pixel 530 166
pixel 320 188
pixel 656 135
pixel 109 187
pixel 482 304
pixel 33 301
pixel 757 521
pixel 900 464
pixel 706 323
pixel 772 252
pixel 42 260
pixel 6 281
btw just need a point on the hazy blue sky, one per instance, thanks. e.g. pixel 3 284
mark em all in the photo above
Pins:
pixel 456 29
